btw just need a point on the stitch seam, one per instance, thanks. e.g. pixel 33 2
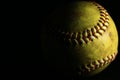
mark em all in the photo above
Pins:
pixel 88 35
pixel 96 64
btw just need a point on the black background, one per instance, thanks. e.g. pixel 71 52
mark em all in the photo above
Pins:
pixel 27 18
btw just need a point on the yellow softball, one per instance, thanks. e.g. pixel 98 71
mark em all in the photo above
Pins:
pixel 80 38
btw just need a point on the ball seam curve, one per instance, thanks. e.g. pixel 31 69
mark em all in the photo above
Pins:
pixel 74 38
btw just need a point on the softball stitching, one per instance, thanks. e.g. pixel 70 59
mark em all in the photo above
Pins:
pixel 96 64
pixel 88 35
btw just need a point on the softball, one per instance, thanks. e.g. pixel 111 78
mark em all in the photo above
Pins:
pixel 80 37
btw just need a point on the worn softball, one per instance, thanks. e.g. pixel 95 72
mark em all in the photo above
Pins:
pixel 80 37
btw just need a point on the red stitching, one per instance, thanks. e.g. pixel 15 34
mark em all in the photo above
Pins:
pixel 98 63
pixel 89 35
